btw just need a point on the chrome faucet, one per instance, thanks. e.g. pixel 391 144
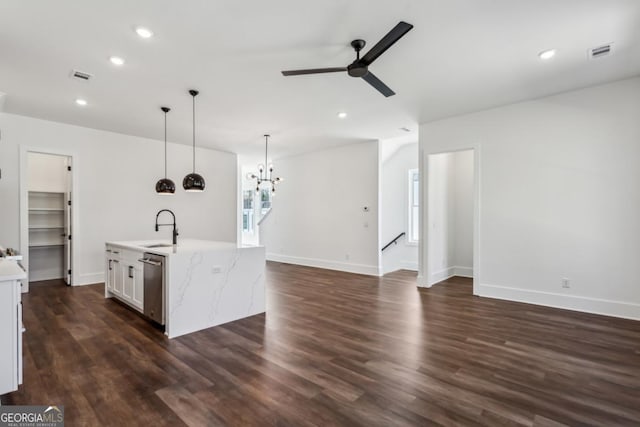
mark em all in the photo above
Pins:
pixel 175 230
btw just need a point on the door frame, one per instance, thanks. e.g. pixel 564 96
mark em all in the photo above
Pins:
pixel 424 275
pixel 24 212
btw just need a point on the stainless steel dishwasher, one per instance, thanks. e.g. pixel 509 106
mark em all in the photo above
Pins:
pixel 154 280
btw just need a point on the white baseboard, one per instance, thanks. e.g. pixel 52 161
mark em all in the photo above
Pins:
pixel 569 302
pixel 463 271
pixel 90 279
pixel 48 274
pixel 409 265
pixel 423 282
pixel 385 272
pixel 370 270
pixel 441 275
pixel 448 273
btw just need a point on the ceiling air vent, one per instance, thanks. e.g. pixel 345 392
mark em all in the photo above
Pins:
pixel 600 51
pixel 81 75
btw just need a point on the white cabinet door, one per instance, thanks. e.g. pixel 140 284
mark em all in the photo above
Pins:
pixel 138 288
pixel 10 326
pixel 127 289
pixel 21 330
pixel 108 284
pixel 118 277
pixel 108 280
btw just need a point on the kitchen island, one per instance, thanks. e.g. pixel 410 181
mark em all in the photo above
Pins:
pixel 204 283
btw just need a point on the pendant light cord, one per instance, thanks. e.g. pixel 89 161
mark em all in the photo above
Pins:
pixel 194 134
pixel 266 150
pixel 165 145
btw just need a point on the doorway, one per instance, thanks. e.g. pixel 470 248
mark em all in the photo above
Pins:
pixel 451 212
pixel 399 205
pixel 46 216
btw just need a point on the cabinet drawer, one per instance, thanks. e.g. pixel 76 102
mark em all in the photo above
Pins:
pixel 112 252
pixel 131 257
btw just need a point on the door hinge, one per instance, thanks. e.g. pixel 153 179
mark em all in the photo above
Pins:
pixel 69 168
pixel 69 236
pixel 69 202
pixel 68 271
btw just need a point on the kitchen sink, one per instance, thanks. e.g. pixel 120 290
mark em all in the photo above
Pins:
pixel 158 245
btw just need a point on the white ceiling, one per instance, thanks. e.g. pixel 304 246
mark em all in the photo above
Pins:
pixel 462 56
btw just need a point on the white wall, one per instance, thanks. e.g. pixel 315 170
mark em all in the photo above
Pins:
pixel 463 189
pixel 441 224
pixel 115 197
pixel 394 209
pixel 558 197
pixel 317 217
pixel 450 204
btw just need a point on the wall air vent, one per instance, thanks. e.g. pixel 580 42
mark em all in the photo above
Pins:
pixel 600 51
pixel 81 75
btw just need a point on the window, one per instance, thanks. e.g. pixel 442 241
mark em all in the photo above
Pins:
pixel 265 200
pixel 413 233
pixel 247 211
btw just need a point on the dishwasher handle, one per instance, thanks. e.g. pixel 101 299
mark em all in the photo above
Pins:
pixel 150 262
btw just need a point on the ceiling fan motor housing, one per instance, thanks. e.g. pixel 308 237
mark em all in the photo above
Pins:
pixel 357 70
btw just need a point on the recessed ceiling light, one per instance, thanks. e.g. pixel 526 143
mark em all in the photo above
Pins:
pixel 342 115
pixel 81 102
pixel 116 60
pixel 143 32
pixel 547 54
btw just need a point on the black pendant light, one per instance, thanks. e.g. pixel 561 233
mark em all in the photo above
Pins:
pixel 193 182
pixel 165 186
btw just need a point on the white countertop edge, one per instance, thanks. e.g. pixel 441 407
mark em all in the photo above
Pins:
pixel 10 270
pixel 184 246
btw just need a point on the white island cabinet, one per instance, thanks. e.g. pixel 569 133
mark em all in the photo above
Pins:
pixel 123 275
pixel 11 327
pixel 206 283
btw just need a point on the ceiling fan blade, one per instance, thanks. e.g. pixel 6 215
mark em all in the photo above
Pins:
pixel 377 83
pixel 386 42
pixel 313 71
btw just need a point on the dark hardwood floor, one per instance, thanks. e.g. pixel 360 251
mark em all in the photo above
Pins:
pixel 333 349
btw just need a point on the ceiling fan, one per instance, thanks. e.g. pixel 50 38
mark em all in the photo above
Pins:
pixel 360 67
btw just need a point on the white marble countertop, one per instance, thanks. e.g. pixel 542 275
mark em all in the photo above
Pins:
pixel 185 246
pixel 10 270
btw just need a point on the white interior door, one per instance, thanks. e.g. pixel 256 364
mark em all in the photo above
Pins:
pixel 68 205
